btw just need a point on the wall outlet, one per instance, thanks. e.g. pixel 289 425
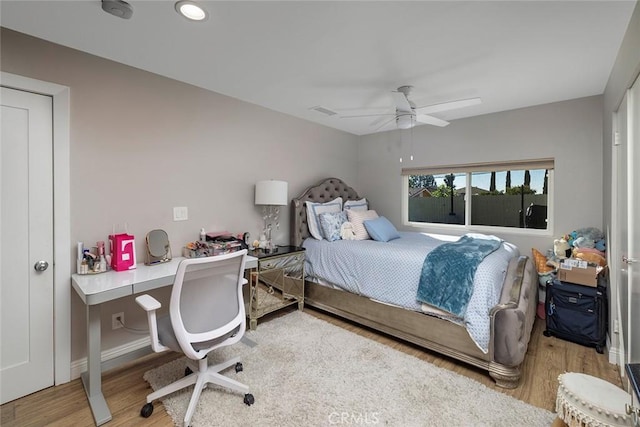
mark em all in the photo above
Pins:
pixel 117 320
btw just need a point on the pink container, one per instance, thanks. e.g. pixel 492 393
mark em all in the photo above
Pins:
pixel 123 253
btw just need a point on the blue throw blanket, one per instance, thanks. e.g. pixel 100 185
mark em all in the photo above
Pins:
pixel 447 274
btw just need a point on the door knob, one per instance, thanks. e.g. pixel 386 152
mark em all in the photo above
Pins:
pixel 629 260
pixel 41 265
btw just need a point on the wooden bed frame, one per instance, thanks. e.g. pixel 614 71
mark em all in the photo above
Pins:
pixel 511 320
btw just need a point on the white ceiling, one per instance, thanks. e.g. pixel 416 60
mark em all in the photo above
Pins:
pixel 290 56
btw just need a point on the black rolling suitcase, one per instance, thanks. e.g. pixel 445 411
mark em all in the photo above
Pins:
pixel 577 313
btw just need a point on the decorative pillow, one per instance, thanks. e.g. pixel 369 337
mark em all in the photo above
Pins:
pixel 381 229
pixel 315 209
pixel 540 261
pixel 358 205
pixel 357 218
pixel 331 223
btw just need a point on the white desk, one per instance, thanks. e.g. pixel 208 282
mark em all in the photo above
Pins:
pixel 94 289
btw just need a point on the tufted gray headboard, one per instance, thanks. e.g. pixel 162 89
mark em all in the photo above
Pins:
pixel 322 192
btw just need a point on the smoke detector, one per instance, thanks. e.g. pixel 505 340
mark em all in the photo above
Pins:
pixel 118 8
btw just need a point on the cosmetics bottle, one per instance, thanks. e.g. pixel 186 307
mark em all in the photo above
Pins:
pixel 102 261
pixel 203 235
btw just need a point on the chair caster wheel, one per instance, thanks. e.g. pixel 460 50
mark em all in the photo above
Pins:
pixel 546 333
pixel 238 367
pixel 146 410
pixel 599 349
pixel 187 371
pixel 248 399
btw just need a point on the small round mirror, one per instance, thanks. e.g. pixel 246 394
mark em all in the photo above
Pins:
pixel 158 244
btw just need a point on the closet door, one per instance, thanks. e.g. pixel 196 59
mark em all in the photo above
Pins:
pixel 619 242
pixel 631 259
pixel 26 243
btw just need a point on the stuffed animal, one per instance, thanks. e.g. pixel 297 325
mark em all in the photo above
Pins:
pixel 571 237
pixel 346 231
pixel 561 248
pixel 588 237
pixel 583 242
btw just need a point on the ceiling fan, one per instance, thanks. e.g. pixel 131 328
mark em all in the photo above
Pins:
pixel 407 115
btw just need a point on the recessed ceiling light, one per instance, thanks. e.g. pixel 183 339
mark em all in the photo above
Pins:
pixel 191 10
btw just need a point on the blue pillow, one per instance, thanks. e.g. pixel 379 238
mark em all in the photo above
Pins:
pixel 331 222
pixel 381 229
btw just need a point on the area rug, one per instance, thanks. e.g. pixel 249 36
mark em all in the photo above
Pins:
pixel 306 372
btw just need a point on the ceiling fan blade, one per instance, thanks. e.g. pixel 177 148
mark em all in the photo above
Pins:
pixel 354 111
pixel 384 124
pixel 381 118
pixel 430 120
pixel 445 106
pixel 401 101
pixel 368 115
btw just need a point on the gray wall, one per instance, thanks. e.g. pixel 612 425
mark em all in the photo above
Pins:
pixel 142 144
pixel 569 131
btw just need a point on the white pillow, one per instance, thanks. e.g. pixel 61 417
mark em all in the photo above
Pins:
pixel 313 214
pixel 357 218
pixel 358 205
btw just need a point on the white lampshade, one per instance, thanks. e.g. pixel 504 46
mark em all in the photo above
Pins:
pixel 271 193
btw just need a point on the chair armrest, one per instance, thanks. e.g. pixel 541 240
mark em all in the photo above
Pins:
pixel 150 305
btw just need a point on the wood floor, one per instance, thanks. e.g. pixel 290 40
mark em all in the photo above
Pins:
pixel 125 390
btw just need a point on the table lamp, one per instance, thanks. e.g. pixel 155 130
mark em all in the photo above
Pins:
pixel 270 195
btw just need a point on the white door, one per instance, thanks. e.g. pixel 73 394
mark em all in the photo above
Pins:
pixel 620 269
pixel 26 238
pixel 633 208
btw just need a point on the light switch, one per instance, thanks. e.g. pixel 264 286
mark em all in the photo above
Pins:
pixel 180 213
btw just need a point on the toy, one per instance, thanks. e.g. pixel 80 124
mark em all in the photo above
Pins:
pixel 561 248
pixel 346 231
pixel 583 242
pixel 588 237
pixel 545 278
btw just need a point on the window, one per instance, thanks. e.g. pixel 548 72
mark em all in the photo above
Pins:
pixel 507 194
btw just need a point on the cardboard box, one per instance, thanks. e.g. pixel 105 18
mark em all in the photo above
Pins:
pixel 578 272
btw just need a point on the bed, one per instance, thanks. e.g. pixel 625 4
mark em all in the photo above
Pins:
pixel 510 321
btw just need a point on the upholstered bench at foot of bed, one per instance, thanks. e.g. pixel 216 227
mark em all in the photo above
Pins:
pixel 512 322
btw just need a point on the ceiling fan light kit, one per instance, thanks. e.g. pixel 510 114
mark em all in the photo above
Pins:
pixel 405 121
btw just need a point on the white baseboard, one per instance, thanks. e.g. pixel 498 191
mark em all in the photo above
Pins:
pixel 80 365
pixel 614 353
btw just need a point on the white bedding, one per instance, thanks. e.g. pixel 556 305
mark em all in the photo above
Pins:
pixel 389 272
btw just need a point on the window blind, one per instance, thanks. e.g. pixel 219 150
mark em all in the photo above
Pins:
pixel 481 167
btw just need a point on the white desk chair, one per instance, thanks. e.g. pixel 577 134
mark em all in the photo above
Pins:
pixel 206 312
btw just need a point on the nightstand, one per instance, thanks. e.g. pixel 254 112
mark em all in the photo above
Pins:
pixel 277 282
